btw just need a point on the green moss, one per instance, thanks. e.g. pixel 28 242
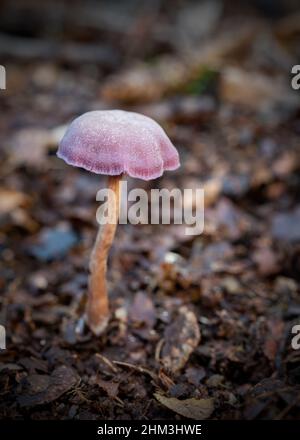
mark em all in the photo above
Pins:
pixel 203 82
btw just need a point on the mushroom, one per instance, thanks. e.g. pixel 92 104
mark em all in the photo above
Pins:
pixel 114 142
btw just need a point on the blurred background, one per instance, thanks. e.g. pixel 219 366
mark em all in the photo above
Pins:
pixel 207 317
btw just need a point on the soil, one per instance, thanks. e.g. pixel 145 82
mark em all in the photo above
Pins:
pixel 201 325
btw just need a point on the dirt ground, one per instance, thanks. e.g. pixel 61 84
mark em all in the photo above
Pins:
pixel 201 326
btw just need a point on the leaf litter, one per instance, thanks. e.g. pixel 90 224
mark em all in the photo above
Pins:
pixel 200 325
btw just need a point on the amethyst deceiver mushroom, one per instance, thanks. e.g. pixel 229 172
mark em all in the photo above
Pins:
pixel 114 142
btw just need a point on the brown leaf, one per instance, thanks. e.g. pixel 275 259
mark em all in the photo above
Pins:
pixel 11 199
pixel 41 389
pixel 181 338
pixel 197 409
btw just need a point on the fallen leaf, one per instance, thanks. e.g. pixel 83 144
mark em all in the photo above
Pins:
pixel 11 199
pixel 41 389
pixel 197 409
pixel 182 336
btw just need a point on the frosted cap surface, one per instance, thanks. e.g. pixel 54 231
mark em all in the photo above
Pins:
pixel 115 141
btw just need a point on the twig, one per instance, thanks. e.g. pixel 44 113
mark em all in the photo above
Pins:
pixel 107 362
pixel 137 368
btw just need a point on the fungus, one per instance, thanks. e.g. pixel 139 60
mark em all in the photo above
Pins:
pixel 114 143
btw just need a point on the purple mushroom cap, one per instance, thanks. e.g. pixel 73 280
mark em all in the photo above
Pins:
pixel 115 141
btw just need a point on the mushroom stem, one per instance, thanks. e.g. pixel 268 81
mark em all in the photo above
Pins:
pixel 97 304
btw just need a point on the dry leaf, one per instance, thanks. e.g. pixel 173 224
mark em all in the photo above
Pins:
pixel 182 336
pixel 38 389
pixel 11 199
pixel 197 409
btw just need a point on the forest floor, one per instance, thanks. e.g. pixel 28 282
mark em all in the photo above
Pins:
pixel 200 325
